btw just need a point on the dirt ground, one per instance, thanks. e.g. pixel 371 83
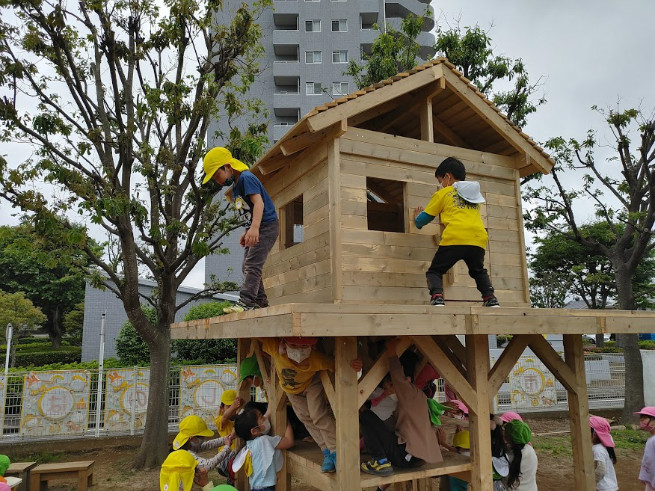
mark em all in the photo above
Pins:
pixel 113 465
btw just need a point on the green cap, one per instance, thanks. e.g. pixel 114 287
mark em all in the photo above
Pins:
pixel 248 368
pixel 4 464
pixel 518 432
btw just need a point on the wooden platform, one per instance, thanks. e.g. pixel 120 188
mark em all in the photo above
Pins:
pixel 304 462
pixel 313 319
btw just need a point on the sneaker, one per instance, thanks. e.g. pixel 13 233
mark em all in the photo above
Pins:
pixel 328 461
pixel 376 468
pixel 237 307
pixel 437 300
pixel 491 301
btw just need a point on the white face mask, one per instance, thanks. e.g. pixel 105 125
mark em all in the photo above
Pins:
pixel 393 397
pixel 265 427
pixel 299 354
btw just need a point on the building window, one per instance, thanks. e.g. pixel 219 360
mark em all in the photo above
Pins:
pixel 292 230
pixel 340 25
pixel 313 88
pixel 313 25
pixel 340 56
pixel 340 88
pixel 313 57
pixel 385 205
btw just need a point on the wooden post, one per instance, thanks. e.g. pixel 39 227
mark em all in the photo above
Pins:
pixel 346 413
pixel 427 130
pixel 279 422
pixel 477 350
pixel 243 348
pixel 583 459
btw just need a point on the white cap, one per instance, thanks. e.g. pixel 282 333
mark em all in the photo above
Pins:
pixel 469 191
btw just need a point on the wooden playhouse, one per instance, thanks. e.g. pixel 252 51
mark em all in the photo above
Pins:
pixel 350 264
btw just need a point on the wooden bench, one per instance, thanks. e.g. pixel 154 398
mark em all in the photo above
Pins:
pixel 82 471
pixel 22 471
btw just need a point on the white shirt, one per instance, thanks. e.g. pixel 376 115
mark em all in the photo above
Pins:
pixel 608 482
pixel 529 463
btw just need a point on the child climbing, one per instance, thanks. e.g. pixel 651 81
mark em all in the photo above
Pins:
pixel 298 364
pixel 464 237
pixel 192 438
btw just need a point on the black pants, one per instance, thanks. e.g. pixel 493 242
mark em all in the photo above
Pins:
pixel 381 442
pixel 446 257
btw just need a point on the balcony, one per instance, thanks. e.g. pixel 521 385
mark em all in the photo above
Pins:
pixel 285 36
pixel 279 130
pixel 402 8
pixel 285 6
pixel 369 6
pixel 282 70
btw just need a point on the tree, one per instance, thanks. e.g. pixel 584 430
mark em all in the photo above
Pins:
pixel 19 311
pixel 628 177
pixel 116 101
pixel 471 52
pixel 206 350
pixel 73 323
pixel 130 346
pixel 51 275
pixel 392 52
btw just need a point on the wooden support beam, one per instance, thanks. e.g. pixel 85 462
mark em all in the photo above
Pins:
pixel 420 79
pixel 376 373
pixel 454 344
pixel 265 371
pixel 552 360
pixel 278 400
pixel 334 215
pixel 583 459
pixel 505 363
pixel 427 128
pixel 304 140
pixel 477 349
pixel 447 370
pixel 328 387
pixel 243 349
pixel 449 135
pixel 459 363
pixel 346 413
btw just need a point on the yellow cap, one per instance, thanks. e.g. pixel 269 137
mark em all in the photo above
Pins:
pixel 191 426
pixel 228 397
pixel 462 439
pixel 178 467
pixel 216 158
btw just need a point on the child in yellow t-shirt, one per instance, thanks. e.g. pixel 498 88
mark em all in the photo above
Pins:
pixel 297 364
pixel 464 237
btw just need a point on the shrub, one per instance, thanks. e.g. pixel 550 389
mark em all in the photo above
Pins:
pixel 65 354
pixel 204 351
pixel 647 344
pixel 131 349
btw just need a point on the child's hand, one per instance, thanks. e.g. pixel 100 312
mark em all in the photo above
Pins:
pixel 229 438
pixel 357 364
pixel 417 211
pixel 237 402
pixel 201 478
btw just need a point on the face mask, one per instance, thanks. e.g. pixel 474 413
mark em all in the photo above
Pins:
pixel 393 397
pixel 299 354
pixel 229 181
pixel 265 427
pixel 645 425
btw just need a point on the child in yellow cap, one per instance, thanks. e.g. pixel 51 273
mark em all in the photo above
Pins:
pixel 192 438
pixel 230 404
pixel 262 229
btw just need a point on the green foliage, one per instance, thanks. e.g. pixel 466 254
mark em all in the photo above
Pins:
pixel 19 311
pixel 205 351
pixel 392 52
pixel 50 271
pixel 470 50
pixel 131 349
pixel 77 365
pixel 626 439
pixel 647 344
pixel 63 354
pixel 73 323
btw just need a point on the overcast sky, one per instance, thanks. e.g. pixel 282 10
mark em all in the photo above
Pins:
pixel 588 52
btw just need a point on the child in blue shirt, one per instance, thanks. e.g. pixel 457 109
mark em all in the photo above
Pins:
pixel 265 454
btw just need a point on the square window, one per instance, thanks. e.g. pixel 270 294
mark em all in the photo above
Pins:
pixel 313 88
pixel 292 228
pixel 340 25
pixel 340 56
pixel 313 57
pixel 313 26
pixel 385 205
pixel 340 88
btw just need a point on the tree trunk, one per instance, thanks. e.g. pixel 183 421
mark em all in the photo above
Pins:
pixel 154 445
pixel 55 326
pixel 600 340
pixel 634 371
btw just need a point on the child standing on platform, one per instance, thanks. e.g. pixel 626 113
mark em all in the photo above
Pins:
pixel 298 364
pixel 264 456
pixel 464 237
pixel 262 229
pixel 647 471
pixel 604 456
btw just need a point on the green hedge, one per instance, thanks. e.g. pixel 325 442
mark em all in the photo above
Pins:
pixel 65 354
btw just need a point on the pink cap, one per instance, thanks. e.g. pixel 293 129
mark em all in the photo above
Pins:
pixel 4 487
pixel 510 416
pixel 602 428
pixel 647 411
pixel 461 406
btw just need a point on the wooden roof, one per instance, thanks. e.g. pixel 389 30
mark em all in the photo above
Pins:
pixel 462 117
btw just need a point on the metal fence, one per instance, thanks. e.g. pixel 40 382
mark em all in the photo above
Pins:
pixel 73 403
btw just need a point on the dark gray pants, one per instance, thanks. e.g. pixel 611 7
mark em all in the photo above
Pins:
pixel 446 257
pixel 252 290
